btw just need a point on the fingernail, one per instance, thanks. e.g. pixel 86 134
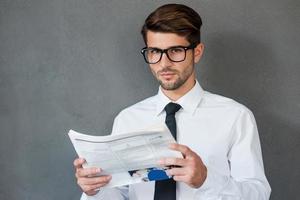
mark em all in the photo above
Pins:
pixel 98 170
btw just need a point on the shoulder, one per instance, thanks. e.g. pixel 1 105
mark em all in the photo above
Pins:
pixel 147 104
pixel 220 102
pixel 135 116
pixel 231 112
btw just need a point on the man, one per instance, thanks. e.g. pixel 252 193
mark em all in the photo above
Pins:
pixel 217 136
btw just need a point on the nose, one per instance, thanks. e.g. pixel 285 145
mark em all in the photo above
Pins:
pixel 165 61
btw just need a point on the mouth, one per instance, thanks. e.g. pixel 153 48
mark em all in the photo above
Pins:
pixel 167 75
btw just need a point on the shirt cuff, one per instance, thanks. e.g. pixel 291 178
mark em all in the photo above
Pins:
pixel 120 193
pixel 213 183
pixel 94 197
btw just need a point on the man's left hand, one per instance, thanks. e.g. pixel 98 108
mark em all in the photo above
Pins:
pixel 190 170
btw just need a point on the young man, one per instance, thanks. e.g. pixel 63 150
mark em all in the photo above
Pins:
pixel 217 136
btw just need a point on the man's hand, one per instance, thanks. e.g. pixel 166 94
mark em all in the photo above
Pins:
pixel 190 170
pixel 87 179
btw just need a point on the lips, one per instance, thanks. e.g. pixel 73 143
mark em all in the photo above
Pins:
pixel 167 75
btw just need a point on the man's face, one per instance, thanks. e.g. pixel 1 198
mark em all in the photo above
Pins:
pixel 173 75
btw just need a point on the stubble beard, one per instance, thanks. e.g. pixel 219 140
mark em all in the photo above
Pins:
pixel 171 85
pixel 179 81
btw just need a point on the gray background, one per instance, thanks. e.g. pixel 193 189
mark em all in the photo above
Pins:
pixel 76 63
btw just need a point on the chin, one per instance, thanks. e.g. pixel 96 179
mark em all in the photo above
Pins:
pixel 169 85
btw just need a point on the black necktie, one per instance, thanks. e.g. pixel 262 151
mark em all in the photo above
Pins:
pixel 166 189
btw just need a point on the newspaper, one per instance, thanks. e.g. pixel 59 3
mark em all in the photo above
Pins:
pixel 128 157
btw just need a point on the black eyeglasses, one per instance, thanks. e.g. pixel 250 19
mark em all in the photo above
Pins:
pixel 174 54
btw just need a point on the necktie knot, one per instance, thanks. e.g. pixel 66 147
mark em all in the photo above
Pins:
pixel 172 108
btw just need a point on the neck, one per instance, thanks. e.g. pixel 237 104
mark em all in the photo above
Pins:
pixel 174 95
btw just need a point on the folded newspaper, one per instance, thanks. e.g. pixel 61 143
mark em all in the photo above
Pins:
pixel 128 157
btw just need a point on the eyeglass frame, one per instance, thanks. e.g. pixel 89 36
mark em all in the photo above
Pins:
pixel 162 51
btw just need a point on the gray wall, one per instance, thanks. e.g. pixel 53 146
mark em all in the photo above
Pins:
pixel 76 63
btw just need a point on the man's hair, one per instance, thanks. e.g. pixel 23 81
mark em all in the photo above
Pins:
pixel 174 18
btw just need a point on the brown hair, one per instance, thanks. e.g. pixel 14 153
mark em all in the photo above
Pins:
pixel 174 18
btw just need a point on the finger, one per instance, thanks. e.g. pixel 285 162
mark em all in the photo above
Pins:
pixel 84 172
pixel 180 178
pixel 93 192
pixel 94 180
pixel 176 171
pixel 181 148
pixel 78 162
pixel 89 188
pixel 172 161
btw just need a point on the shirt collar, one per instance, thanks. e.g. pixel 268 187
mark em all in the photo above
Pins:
pixel 188 102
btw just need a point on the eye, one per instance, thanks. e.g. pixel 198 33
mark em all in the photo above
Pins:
pixel 176 50
pixel 154 51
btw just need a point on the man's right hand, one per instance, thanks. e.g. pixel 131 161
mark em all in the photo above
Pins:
pixel 87 179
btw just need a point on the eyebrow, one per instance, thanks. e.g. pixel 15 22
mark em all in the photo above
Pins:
pixel 168 47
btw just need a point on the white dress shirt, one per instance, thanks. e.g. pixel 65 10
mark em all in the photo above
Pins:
pixel 221 131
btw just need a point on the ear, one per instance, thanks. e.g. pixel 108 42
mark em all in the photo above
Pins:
pixel 198 51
